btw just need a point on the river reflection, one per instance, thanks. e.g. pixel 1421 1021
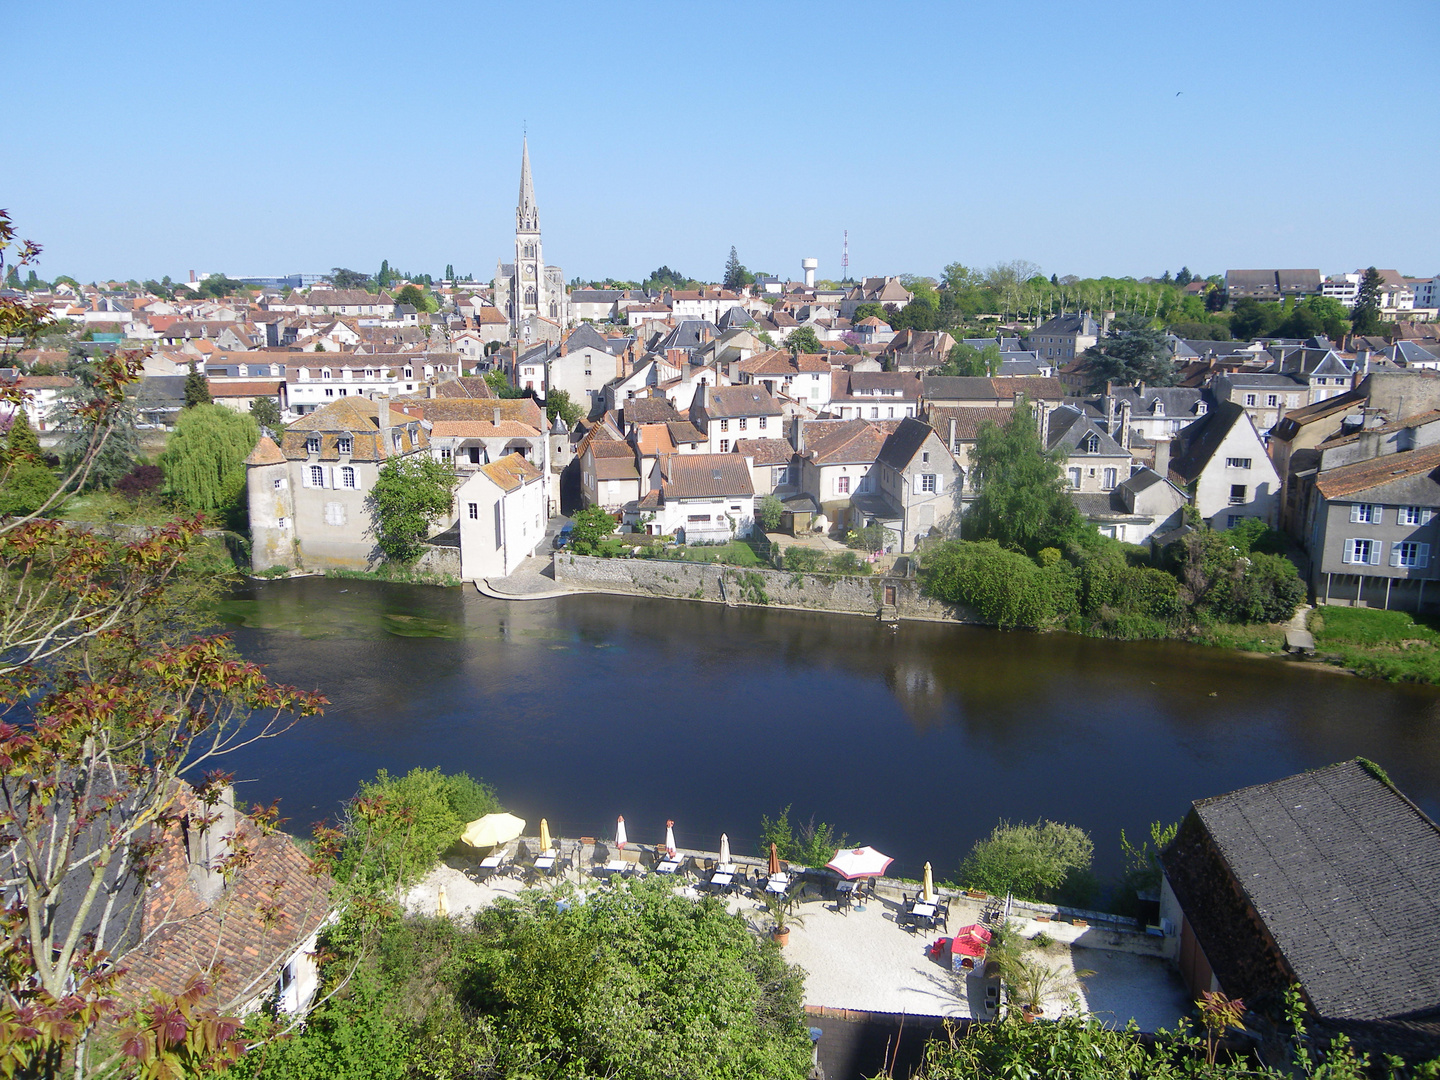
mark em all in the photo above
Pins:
pixel 915 739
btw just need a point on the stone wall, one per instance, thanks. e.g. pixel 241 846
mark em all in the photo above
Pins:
pixel 736 586
pixel 439 559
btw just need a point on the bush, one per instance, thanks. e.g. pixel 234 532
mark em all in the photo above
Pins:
pixel 810 844
pixel 802 560
pixel 1002 587
pixel 1031 861
pixel 589 527
pixel 141 481
pixel 770 512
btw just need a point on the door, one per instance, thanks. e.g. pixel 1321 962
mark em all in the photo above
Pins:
pixel 889 595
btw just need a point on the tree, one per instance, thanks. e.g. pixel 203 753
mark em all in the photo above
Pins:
pixel 450 272
pixel 736 276
pixel 867 311
pixel 1254 318
pixel 965 359
pixel 1022 503
pixel 501 384
pixel 803 339
pixel 266 414
pixel 417 298
pixel 1365 315
pixel 348 279
pixel 1184 277
pixel 665 278
pixel 770 512
pixel 1132 351
pixel 26 484
pixel 590 526
pixel 1030 861
pixel 410 495
pixel 558 403
pixel 197 388
pixel 99 436
pixel 204 459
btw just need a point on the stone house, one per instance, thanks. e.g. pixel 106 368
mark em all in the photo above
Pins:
pixel 773 469
pixel 919 484
pixel 1062 339
pixel 503 507
pixel 308 495
pixel 837 463
pixel 727 413
pixel 1138 508
pixel 1094 462
pixel 1371 531
pixel 802 377
pixel 1220 462
pixel 584 362
pixel 609 473
pixel 874 395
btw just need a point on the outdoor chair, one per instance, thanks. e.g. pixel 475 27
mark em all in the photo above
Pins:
pixel 942 914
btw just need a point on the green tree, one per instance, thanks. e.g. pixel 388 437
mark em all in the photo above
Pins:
pixel 266 414
pixel 558 403
pixel 105 442
pixel 1184 277
pixel 810 843
pixel 342 278
pixel 1253 318
pixel 1031 861
pixel 417 298
pixel 803 339
pixel 204 458
pixel 1004 588
pixel 450 272
pixel 26 483
pixel 965 359
pixel 770 512
pixel 1132 351
pixel 866 311
pixel 736 276
pixel 1365 315
pixel 501 384
pixel 1023 502
pixel 197 388
pixel 590 526
pixel 410 495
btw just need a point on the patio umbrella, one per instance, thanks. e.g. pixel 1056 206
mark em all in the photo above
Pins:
pixel 620 838
pixel 774 861
pixel 724 848
pixel 545 844
pixel 859 862
pixel 670 838
pixel 928 888
pixel 492 829
pixel 442 903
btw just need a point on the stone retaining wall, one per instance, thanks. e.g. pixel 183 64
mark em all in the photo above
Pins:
pixel 439 559
pixel 760 587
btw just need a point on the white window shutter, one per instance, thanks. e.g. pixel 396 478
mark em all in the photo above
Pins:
pixel 1377 515
pixel 1426 515
pixel 1355 512
pixel 1394 554
pixel 1375 546
pixel 335 477
pixel 305 476
pixel 1349 549
pixel 939 483
pixel 918 484
pixel 1423 559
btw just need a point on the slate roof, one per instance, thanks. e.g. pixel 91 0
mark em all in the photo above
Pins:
pixel 1295 419
pixel 1363 475
pixel 1202 438
pixel 1067 324
pixel 1343 873
pixel 904 443
pixel 707 476
pixel 1069 427
pixel 649 410
pixel 863 384
pixel 683 431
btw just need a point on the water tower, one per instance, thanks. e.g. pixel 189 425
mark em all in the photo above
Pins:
pixel 809 265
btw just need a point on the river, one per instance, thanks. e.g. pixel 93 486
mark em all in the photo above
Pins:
pixel 915 739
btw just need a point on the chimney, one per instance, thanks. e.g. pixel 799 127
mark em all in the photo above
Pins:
pixel 798 438
pixel 951 443
pixel 1109 412
pixel 497 415
pixel 1042 412
pixel 382 414
pixel 206 831
pixel 1162 458
pixel 1125 424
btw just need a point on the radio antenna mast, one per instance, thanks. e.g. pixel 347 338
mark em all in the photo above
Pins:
pixel 845 258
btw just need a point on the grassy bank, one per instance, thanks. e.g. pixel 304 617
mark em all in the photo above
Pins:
pixel 1389 645
pixel 403 575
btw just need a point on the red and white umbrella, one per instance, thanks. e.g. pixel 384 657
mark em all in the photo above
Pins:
pixel 670 838
pixel 620 839
pixel 859 862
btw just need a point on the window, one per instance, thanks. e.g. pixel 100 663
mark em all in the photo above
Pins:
pixel 282 523
pixel 317 476
pixel 1367 514
pixel 762 422
pixel 279 482
pixel 446 453
pixel 1109 479
pixel 927 482
pixel 347 477
pixel 344 444
pixel 1249 399
pixel 1231 520
pixel 312 444
pixel 1320 381
pixel 587 373
pixel 1366 552
pixel 924 457
pixel 1237 463
pixel 344 392
pixel 698 519
pixel 842 485
pixel 724 446
pixel 874 412
pixel 744 423
pixel 395 439
pixel 329 392
pixel 1271 400
pixel 474 511
pixel 1092 443
pixel 1415 515
pixel 1237 494
pixel 724 425
pixel 1074 475
pixel 409 373
pixel 325 373
pixel 1411 554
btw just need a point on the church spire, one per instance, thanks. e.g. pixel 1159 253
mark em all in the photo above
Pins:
pixel 526 215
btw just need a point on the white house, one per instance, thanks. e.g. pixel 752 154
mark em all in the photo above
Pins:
pixel 703 497
pixel 1221 464
pixel 502 517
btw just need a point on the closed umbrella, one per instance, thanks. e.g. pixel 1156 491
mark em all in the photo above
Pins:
pixel 774 861
pixel 927 889
pixel 670 838
pixel 442 903
pixel 545 844
pixel 620 839
pixel 492 829
pixel 859 862
pixel 724 848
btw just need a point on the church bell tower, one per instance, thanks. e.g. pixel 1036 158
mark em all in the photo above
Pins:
pixel 527 295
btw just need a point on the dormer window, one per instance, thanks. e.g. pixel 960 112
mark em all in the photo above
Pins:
pixel 409 373
pixel 343 444
pixel 312 444
pixel 395 439
pixel 325 373
pixel 1092 443
pixel 1159 409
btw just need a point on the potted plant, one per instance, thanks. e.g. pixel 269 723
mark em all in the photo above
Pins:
pixel 781 909
pixel 1030 981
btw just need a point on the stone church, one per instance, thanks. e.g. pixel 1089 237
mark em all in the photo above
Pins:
pixel 527 289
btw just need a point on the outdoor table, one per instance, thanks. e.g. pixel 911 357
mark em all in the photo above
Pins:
pixel 667 866
pixel 845 887
pixel 721 880
pixel 491 862
pixel 777 883
pixel 726 868
pixel 616 866
pixel 545 862
pixel 923 910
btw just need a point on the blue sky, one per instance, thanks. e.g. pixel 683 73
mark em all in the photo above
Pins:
pixel 260 138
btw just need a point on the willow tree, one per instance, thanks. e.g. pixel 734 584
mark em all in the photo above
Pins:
pixel 204 462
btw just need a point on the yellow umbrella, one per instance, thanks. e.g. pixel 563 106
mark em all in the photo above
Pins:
pixel 928 889
pixel 545 844
pixel 442 903
pixel 492 829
